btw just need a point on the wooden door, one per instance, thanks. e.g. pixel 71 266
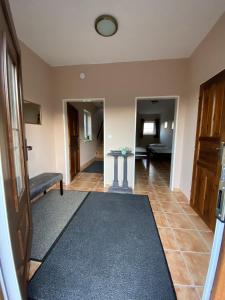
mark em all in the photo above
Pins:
pixel 210 134
pixel 12 150
pixel 74 142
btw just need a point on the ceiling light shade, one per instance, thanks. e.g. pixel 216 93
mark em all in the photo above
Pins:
pixel 106 25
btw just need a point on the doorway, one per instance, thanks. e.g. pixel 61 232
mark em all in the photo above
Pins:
pixel 73 140
pixel 154 144
pixel 84 138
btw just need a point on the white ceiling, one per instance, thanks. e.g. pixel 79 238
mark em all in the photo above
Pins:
pixel 62 31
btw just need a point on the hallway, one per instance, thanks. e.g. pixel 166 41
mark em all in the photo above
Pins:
pixel 185 238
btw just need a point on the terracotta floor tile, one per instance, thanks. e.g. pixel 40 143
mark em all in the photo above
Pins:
pixel 180 197
pixel 190 240
pixel 179 221
pixel 208 238
pixel 199 290
pixel 167 238
pixel 155 205
pixel 179 272
pixel 171 207
pixel 160 219
pixel 187 209
pixel 186 293
pixel 197 265
pixel 199 224
pixel 34 265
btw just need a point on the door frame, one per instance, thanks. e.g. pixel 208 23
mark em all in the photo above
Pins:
pixel 8 275
pixel 174 143
pixel 66 133
pixel 78 158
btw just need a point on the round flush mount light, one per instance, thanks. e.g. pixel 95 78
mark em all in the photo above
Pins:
pixel 106 25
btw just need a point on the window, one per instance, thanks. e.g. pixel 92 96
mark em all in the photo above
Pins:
pixel 172 127
pixel 149 128
pixel 16 129
pixel 165 125
pixel 87 125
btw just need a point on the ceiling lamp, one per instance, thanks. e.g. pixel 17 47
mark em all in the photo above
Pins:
pixel 106 25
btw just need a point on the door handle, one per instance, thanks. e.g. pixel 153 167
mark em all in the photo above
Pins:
pixel 27 148
pixel 220 208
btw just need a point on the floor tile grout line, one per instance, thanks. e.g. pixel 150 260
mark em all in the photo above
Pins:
pixel 189 287
pixel 187 251
pixel 189 273
pixel 186 285
pixel 185 229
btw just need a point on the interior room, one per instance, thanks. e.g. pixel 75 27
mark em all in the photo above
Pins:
pixel 112 156
pixel 85 142
pixel 154 141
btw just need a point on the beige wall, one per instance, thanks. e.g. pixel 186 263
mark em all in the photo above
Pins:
pixel 120 84
pixel 206 61
pixel 166 134
pixel 37 88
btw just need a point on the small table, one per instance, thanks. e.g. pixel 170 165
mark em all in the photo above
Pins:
pixel 115 186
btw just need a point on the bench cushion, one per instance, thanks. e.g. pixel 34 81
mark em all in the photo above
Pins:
pixel 42 182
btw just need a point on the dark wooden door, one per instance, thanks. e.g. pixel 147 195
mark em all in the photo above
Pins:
pixel 210 134
pixel 12 150
pixel 74 142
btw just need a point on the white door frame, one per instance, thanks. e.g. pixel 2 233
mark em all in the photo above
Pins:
pixel 174 144
pixel 66 134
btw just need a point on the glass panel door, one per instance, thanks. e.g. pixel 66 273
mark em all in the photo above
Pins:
pixel 16 128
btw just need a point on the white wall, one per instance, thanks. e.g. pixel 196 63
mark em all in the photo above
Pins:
pixel 166 134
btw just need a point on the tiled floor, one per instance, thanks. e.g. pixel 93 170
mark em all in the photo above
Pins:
pixel 87 182
pixel 185 238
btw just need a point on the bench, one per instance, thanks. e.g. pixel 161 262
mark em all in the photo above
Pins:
pixel 39 184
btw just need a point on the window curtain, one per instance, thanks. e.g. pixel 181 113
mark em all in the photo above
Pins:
pixel 157 128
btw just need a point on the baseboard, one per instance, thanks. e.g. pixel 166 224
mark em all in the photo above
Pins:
pixel 84 166
pixel 177 190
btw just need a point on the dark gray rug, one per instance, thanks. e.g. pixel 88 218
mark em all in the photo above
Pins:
pixel 110 250
pixel 50 214
pixel 96 167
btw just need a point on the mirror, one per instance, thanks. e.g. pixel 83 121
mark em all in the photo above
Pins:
pixel 31 112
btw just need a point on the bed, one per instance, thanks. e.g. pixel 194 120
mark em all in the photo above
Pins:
pixel 142 153
pixel 154 151
pixel 160 151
